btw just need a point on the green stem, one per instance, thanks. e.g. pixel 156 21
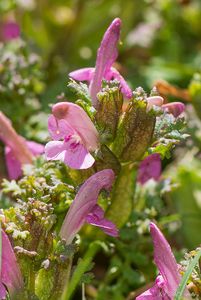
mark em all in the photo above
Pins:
pixel 122 196
pixel 79 271
pixel 31 284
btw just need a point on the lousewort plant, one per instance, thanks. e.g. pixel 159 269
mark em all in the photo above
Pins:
pixel 102 150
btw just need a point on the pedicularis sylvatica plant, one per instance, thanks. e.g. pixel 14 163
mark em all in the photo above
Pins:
pixel 104 153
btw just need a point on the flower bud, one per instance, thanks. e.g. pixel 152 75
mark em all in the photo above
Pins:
pixel 110 102
pixel 135 130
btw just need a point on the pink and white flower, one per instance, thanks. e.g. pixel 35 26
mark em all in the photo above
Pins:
pixel 168 280
pixel 74 136
pixel 85 208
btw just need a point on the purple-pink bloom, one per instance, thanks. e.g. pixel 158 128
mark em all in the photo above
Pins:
pixel 154 101
pixel 149 168
pixel 85 208
pixel 11 277
pixel 18 151
pixel 10 30
pixel 174 108
pixel 74 136
pixel 167 282
pixel 106 56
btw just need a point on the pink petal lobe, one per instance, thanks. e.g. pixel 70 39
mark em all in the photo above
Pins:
pixel 79 121
pixel 70 152
pixel 35 148
pixel 55 150
pixel 10 273
pixel 149 168
pixel 165 260
pixel 58 129
pixel 154 101
pixel 125 89
pixel 85 202
pixel 11 30
pixel 96 218
pixel 13 165
pixel 78 158
pixel 106 56
pixel 3 291
pixel 11 139
pixel 174 108
pixel 84 74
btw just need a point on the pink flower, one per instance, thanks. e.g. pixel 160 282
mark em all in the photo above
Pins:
pixel 106 56
pixel 154 101
pixel 11 277
pixel 149 168
pixel 167 282
pixel 10 30
pixel 18 151
pixel 85 208
pixel 174 108
pixel 70 123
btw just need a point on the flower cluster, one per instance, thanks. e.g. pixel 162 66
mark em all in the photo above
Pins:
pixel 99 146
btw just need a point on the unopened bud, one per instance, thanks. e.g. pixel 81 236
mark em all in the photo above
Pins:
pixel 110 101
pixel 135 130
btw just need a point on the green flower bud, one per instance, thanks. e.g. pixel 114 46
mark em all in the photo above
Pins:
pixel 135 130
pixel 110 101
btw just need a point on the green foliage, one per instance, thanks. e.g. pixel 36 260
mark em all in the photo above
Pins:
pixel 21 82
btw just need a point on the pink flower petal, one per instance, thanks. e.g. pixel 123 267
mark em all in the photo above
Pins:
pixel 106 56
pixel 13 165
pixel 174 108
pixel 153 293
pixel 55 150
pixel 78 158
pixel 96 218
pixel 3 291
pixel 10 273
pixel 165 260
pixel 73 154
pixel 35 148
pixel 85 202
pixel 11 30
pixel 79 121
pixel 125 89
pixel 154 101
pixel 58 129
pixel 149 168
pixel 85 74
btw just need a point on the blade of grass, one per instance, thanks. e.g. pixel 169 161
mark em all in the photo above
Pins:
pixel 186 276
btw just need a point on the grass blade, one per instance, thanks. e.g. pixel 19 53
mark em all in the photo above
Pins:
pixel 186 276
